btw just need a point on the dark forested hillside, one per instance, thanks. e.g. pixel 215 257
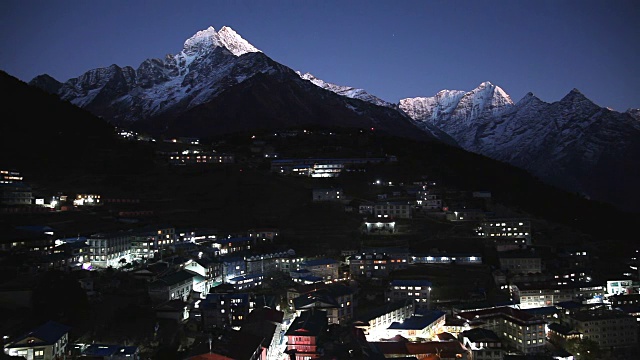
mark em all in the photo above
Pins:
pixel 46 137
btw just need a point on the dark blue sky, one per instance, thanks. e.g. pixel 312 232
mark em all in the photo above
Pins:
pixel 393 49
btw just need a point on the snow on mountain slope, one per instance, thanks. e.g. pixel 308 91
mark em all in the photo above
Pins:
pixel 459 113
pixel 209 62
pixel 347 91
pixel 572 143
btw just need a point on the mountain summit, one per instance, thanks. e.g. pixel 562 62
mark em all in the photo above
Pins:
pixel 220 83
pixel 573 143
pixel 226 37
pixel 459 113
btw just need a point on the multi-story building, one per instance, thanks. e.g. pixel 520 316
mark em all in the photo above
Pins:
pixel 427 200
pixel 46 342
pixel 166 235
pixel 620 287
pixel 520 262
pixel 147 241
pixel 446 258
pixel 263 235
pixel 394 209
pixel 189 158
pixel 374 323
pixel 539 294
pixel 418 291
pixel 418 327
pixel 379 226
pixel 16 193
pixel 173 286
pixel 331 194
pixel 231 267
pixel 109 249
pixel 195 236
pixel 520 330
pixel 290 262
pixel 87 200
pixel 264 263
pixel 378 263
pixel 10 176
pixel 560 334
pixel 484 344
pixel 608 328
pixel 323 166
pixel 304 334
pixel 232 245
pixel 143 245
pixel 222 310
pixel 325 268
pixel 508 243
pixel 513 228
pixel 336 300
pixel 574 257
pixel 244 282
pixel 567 275
pixel 34 239
pixel 624 300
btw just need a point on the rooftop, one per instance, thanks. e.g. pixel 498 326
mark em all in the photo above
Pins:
pixel 46 334
pixel 417 322
pixel 309 323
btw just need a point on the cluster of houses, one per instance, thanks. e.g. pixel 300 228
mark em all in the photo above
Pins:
pixel 213 283
pixel 220 287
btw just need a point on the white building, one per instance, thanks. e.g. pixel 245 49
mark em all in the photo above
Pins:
pixel 47 342
pixel 109 249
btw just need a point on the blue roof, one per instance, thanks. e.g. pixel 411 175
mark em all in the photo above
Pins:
pixel 36 228
pixel 301 271
pixel 317 262
pixel 410 283
pixel 545 310
pixel 49 332
pixel 245 277
pixel 108 350
pixel 569 304
pixel 71 240
pixel 417 322
pixel 230 259
pixel 232 240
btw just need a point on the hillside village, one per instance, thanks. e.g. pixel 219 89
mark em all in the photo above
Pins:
pixel 375 261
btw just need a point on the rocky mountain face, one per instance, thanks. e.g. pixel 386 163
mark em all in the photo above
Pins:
pixel 572 143
pixel 460 114
pixel 167 96
pixel 347 91
pixel 219 83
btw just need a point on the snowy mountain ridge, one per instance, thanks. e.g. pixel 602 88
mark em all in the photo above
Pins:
pixel 209 62
pixel 347 91
pixel 167 95
pixel 571 143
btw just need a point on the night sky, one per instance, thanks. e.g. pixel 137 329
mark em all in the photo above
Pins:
pixel 392 49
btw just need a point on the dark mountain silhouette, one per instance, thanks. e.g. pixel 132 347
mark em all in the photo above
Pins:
pixel 45 135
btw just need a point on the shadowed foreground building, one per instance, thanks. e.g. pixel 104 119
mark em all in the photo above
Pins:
pixel 49 341
pixel 608 328
pixel 518 329
pixel 305 334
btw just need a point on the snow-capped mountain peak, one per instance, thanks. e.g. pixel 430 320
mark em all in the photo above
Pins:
pixel 208 39
pixel 203 39
pixel 234 42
